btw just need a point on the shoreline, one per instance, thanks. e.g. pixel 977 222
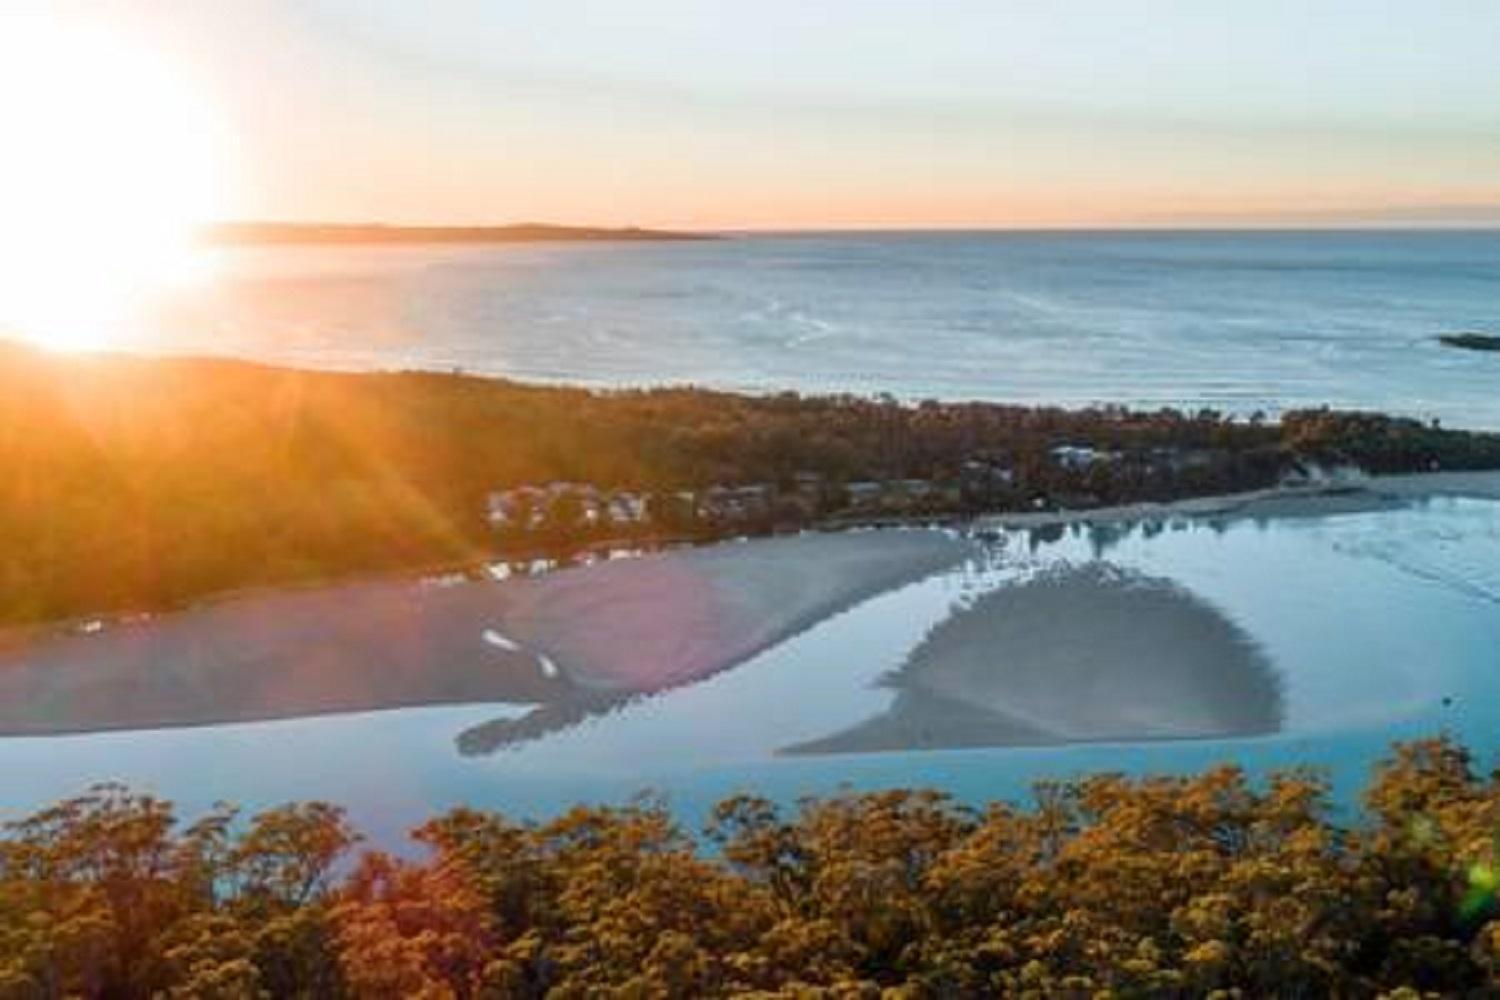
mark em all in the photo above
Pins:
pixel 723 603
pixel 576 640
pixel 616 629
pixel 1356 495
pixel 22 633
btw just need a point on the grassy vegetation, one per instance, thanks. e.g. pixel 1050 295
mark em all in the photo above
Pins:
pixel 1185 886
pixel 137 484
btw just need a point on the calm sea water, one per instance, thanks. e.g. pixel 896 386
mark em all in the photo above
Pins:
pixel 1379 625
pixel 1237 321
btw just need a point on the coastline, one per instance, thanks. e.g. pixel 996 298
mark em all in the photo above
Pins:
pixel 1356 495
pixel 612 630
pixel 570 642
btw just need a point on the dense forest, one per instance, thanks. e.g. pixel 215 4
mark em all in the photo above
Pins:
pixel 1107 886
pixel 137 484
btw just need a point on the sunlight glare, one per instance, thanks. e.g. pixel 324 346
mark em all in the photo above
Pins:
pixel 110 163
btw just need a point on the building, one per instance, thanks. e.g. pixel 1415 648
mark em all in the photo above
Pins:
pixel 983 481
pixel 737 503
pixel 522 507
pixel 625 508
pixel 1076 458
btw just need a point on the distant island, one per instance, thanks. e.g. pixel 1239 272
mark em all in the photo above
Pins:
pixel 1471 341
pixel 280 233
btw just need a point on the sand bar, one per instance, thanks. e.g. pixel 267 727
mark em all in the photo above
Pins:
pixel 580 640
pixel 617 628
pixel 1353 495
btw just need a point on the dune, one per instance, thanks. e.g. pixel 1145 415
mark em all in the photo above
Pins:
pixel 576 637
pixel 1076 654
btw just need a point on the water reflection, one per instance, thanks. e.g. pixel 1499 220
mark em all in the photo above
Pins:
pixel 1071 654
pixel 1210 627
pixel 509 731
pixel 1377 625
pixel 573 642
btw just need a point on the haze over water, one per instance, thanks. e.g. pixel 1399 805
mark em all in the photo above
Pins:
pixel 1238 321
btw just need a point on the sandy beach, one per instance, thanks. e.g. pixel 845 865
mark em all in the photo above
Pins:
pixel 572 636
pixel 1355 495
pixel 1022 666
pixel 647 624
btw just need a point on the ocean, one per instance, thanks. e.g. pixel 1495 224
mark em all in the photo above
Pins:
pixel 1236 321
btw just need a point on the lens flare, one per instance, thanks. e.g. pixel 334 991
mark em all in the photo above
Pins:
pixel 112 160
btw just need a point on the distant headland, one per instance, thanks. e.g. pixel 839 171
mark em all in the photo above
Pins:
pixel 259 233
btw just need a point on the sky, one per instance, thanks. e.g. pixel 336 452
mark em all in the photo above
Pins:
pixel 842 113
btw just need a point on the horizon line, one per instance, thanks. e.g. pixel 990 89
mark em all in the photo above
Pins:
pixel 1180 225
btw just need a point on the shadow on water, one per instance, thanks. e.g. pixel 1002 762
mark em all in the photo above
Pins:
pixel 571 710
pixel 1072 653
pixel 1075 654
pixel 1380 626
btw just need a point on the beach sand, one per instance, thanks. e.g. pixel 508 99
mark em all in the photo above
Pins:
pixel 1075 654
pixel 562 639
pixel 1358 495
pixel 648 624
pixel 1023 667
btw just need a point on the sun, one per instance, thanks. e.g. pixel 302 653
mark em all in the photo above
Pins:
pixel 110 161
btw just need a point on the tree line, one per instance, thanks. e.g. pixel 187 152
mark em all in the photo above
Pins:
pixel 1210 884
pixel 140 484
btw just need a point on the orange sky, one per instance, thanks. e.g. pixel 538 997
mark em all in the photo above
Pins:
pixel 874 113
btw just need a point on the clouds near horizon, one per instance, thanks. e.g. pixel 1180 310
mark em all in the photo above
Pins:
pixel 952 112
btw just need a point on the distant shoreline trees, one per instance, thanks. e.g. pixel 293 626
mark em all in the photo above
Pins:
pixel 136 484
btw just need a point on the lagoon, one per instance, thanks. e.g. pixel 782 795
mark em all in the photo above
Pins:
pixel 1377 624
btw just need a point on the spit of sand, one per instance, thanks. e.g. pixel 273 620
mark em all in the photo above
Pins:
pixel 619 628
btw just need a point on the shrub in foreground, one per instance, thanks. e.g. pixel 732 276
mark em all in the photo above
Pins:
pixel 1107 885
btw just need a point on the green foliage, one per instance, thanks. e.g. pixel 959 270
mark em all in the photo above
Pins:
pixel 145 483
pixel 1163 886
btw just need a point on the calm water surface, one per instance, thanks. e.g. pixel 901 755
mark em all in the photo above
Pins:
pixel 1380 625
pixel 1237 321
